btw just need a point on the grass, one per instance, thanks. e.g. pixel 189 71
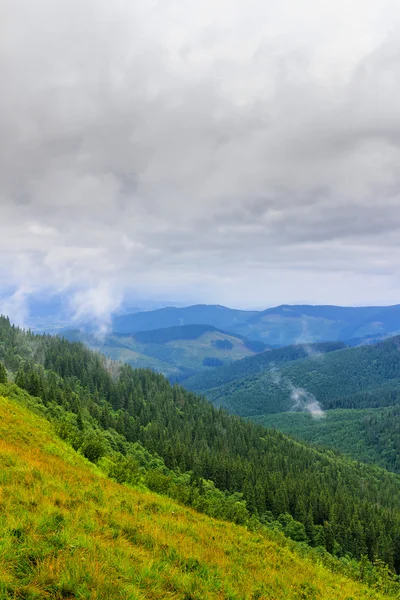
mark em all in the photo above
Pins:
pixel 68 532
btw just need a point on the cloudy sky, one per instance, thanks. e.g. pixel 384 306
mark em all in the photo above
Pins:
pixel 243 152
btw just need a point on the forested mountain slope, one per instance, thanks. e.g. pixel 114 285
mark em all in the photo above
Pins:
pixel 346 507
pixel 371 435
pixel 367 376
pixel 67 531
pixel 256 364
pixel 177 352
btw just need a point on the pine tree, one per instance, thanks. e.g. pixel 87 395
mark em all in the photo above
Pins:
pixel 3 373
pixel 79 421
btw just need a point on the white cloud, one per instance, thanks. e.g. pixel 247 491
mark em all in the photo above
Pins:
pixel 238 152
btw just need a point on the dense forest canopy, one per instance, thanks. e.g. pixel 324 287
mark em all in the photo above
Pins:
pixel 370 434
pixel 253 365
pixel 362 377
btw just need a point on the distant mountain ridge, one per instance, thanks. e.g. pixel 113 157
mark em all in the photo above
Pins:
pixel 199 314
pixel 277 326
pixel 191 332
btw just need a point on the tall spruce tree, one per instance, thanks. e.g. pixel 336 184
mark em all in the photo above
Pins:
pixel 3 373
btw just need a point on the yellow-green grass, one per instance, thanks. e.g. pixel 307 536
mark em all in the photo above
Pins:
pixel 66 531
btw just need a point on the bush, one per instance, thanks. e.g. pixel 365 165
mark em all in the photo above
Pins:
pixel 124 469
pixel 292 528
pixel 93 448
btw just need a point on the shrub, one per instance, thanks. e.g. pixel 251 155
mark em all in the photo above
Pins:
pixel 93 448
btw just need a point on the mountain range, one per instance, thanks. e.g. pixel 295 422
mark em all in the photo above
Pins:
pixel 183 341
pixel 278 326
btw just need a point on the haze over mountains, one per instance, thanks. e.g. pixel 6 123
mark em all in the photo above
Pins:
pixel 281 325
pixel 186 340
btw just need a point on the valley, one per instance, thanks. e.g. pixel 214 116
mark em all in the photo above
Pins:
pixel 329 484
pixel 177 351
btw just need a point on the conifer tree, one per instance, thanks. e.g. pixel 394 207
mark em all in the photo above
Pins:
pixel 3 373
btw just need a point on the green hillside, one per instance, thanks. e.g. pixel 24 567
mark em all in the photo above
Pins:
pixel 367 376
pixel 66 531
pixel 255 364
pixel 206 458
pixel 177 352
pixel 370 435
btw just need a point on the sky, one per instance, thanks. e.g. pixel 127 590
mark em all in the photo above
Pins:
pixel 241 152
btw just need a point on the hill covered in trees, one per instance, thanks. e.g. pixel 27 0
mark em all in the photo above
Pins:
pixel 362 377
pixel 178 352
pixel 371 435
pixel 254 365
pixel 67 531
pixel 206 458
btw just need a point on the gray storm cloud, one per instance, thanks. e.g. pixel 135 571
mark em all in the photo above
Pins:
pixel 243 152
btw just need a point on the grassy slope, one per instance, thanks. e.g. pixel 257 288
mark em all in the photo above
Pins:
pixel 68 532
